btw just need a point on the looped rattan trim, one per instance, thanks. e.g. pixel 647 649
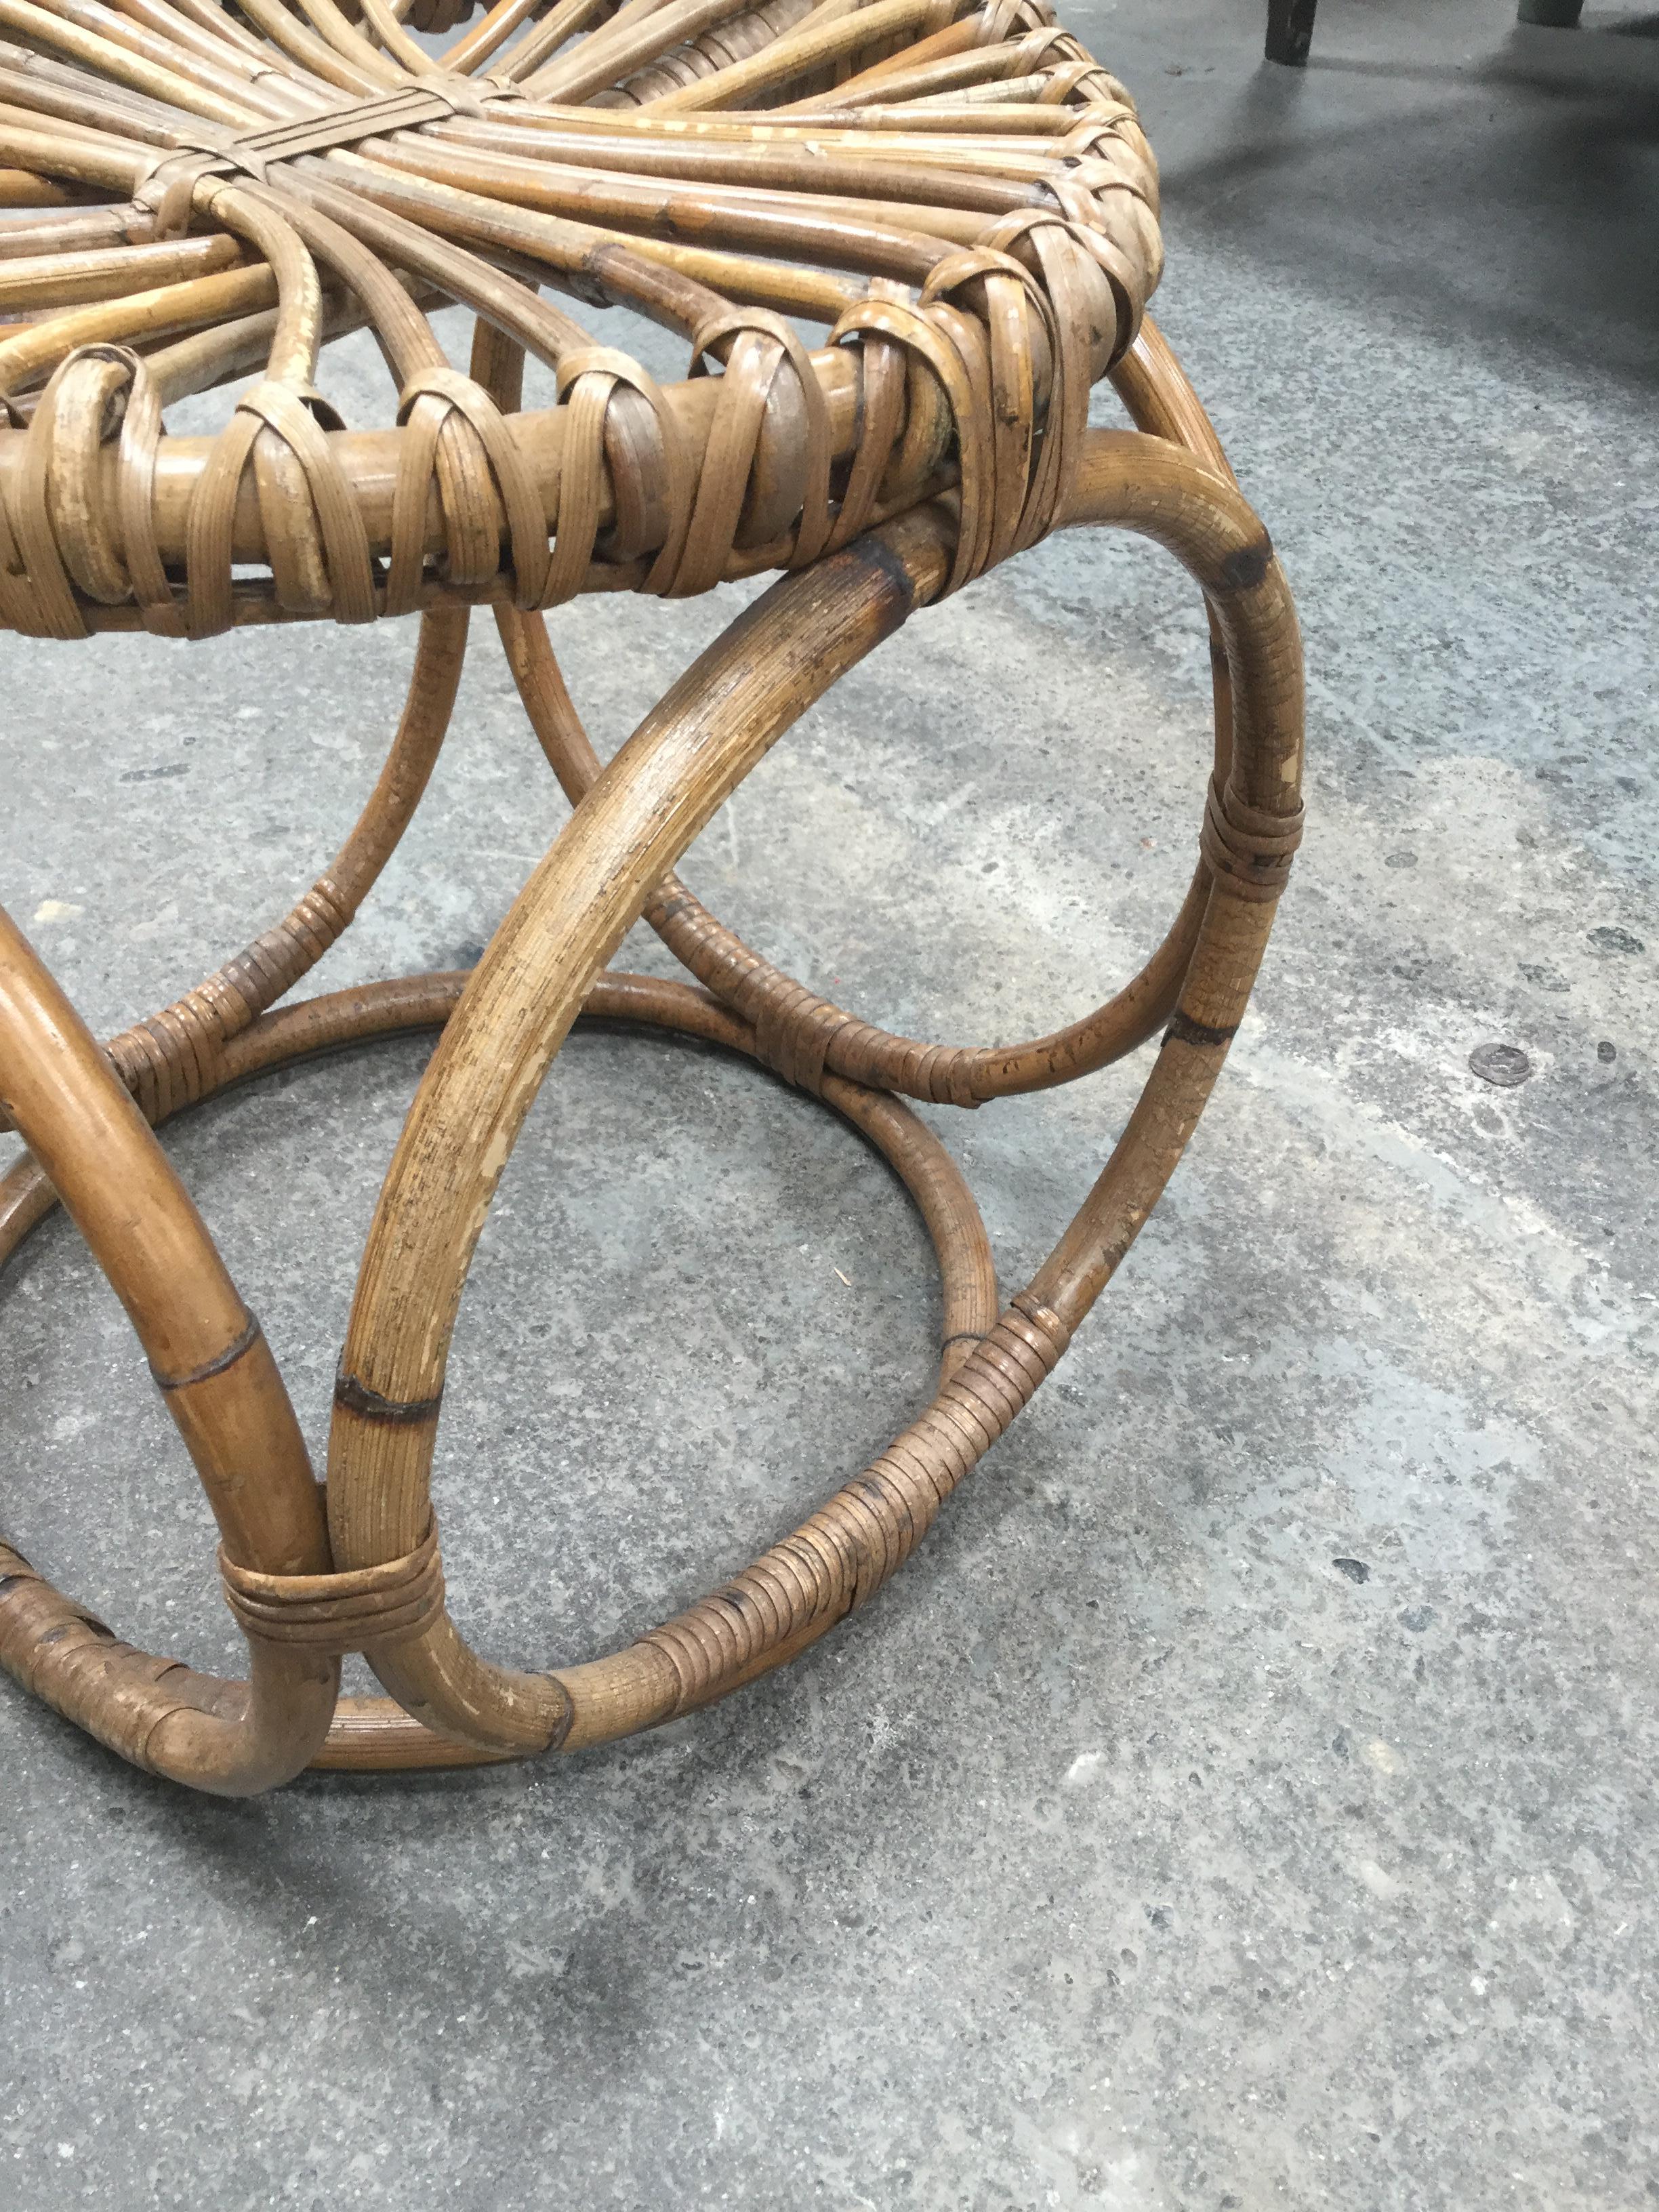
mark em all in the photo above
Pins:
pixel 140 443
pixel 588 381
pixel 329 530
pixel 1250 850
pixel 1011 335
pixel 942 340
pixel 429 401
pixel 359 1610
pixel 737 442
pixel 38 600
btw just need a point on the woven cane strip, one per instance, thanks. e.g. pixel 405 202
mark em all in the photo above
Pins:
pixel 1251 851
pixel 339 1612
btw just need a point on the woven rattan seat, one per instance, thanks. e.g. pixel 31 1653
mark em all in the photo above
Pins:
pixel 901 242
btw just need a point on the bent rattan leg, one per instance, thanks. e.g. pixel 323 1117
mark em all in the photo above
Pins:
pixel 666 782
pixel 803 1585
pixel 223 1390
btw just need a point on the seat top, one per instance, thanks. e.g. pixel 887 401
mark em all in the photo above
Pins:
pixel 954 202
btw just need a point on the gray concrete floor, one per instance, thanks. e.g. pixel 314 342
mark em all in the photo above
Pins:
pixel 1131 1852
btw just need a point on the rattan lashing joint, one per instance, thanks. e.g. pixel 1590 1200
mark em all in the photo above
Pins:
pixel 359 1609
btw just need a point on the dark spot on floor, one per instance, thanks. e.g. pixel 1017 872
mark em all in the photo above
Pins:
pixel 1505 1065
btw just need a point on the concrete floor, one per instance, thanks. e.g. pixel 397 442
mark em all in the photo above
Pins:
pixel 1246 1797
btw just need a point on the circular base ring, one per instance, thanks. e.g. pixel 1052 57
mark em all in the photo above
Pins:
pixel 375 1733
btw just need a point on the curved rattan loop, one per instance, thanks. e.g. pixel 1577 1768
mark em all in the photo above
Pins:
pixel 221 1386
pixel 802 1036
pixel 646 807
pixel 54 1646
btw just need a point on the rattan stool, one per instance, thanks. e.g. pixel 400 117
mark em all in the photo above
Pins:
pixel 961 200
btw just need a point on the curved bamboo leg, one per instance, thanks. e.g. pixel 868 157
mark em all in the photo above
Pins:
pixel 802 1034
pixel 663 787
pixel 642 810
pixel 223 1389
pixel 1252 828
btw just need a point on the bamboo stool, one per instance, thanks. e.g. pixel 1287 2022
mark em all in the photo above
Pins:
pixel 963 202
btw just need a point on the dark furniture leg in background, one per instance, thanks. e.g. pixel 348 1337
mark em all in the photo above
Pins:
pixel 1290 24
pixel 1289 30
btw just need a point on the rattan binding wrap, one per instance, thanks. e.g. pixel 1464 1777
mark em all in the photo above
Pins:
pixel 959 204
